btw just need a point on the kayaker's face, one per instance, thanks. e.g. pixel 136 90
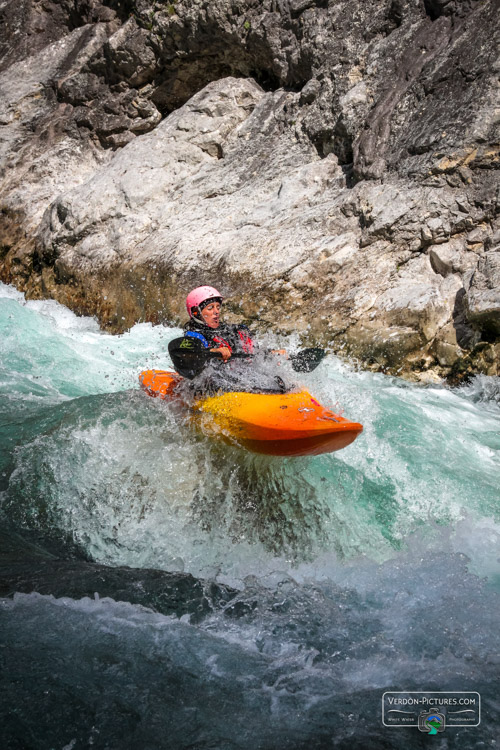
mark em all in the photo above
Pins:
pixel 211 314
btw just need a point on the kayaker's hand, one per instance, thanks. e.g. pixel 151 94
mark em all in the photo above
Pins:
pixel 281 352
pixel 226 353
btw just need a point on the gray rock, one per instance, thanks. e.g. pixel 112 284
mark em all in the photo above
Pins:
pixel 38 156
pixel 483 294
pixel 310 91
pixel 28 567
pixel 446 354
pixel 335 160
pixel 137 192
pixel 451 257
pixel 477 236
pixel 203 196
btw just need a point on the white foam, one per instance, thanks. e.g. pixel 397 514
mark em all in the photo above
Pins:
pixel 136 486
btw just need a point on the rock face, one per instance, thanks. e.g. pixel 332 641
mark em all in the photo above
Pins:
pixel 482 293
pixel 331 165
pixel 27 567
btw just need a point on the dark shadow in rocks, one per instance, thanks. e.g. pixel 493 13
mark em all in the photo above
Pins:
pixel 350 177
pixel 489 333
pixel 339 142
pixel 342 143
pixel 297 7
pixel 269 81
pixel 168 96
pixel 437 8
pixel 467 337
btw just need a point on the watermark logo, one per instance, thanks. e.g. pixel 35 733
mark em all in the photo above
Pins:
pixel 431 712
pixel 431 722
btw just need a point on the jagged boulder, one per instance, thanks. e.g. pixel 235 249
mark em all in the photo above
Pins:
pixel 483 294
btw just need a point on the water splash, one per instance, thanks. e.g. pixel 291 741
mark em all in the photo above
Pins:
pixel 128 479
pixel 372 569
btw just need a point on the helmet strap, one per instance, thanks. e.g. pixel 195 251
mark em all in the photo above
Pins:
pixel 196 314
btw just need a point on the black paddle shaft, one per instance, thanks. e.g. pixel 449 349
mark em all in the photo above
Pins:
pixel 190 360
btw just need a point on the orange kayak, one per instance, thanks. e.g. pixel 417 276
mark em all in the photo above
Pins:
pixel 281 424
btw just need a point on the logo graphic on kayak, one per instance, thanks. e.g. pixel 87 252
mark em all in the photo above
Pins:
pixel 328 416
pixel 304 408
pixel 431 722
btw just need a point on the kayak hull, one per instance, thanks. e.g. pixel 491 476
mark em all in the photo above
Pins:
pixel 288 424
pixel 308 446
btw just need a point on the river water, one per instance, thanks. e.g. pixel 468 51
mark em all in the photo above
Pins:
pixel 316 584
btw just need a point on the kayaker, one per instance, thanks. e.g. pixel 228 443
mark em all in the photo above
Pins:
pixel 206 338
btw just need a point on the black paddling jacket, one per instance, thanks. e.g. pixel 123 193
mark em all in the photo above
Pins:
pixel 191 352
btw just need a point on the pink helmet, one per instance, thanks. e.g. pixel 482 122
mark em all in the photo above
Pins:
pixel 200 295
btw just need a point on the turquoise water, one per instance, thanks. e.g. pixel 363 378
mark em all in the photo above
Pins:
pixel 370 569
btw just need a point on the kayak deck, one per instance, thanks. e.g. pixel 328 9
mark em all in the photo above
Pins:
pixel 288 424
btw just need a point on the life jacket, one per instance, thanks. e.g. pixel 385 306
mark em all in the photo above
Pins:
pixel 234 337
pixel 187 354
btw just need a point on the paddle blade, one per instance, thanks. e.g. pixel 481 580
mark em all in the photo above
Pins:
pixel 188 356
pixel 308 359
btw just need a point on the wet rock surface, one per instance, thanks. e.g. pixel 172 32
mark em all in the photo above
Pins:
pixel 333 161
pixel 27 566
